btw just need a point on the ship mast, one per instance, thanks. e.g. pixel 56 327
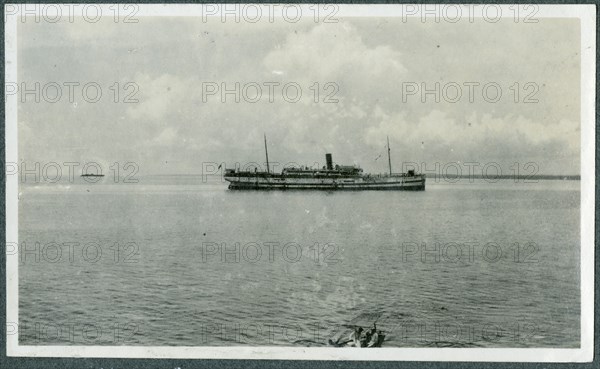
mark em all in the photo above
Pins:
pixel 267 153
pixel 389 157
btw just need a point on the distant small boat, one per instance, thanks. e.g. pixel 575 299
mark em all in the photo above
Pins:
pixel 92 175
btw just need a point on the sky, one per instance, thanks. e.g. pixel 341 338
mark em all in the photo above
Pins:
pixel 369 65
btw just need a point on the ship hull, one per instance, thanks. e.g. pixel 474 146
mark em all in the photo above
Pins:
pixel 416 183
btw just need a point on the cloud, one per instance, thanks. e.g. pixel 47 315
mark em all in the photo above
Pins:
pixel 336 53
pixel 166 138
pixel 479 138
pixel 331 51
pixel 157 96
pixel 366 61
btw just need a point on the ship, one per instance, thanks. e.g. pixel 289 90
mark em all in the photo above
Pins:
pixel 329 178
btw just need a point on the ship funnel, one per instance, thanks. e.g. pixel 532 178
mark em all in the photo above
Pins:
pixel 329 161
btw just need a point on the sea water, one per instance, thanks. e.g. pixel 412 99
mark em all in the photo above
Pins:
pixel 181 260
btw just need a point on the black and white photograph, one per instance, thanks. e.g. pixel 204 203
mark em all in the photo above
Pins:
pixel 300 182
